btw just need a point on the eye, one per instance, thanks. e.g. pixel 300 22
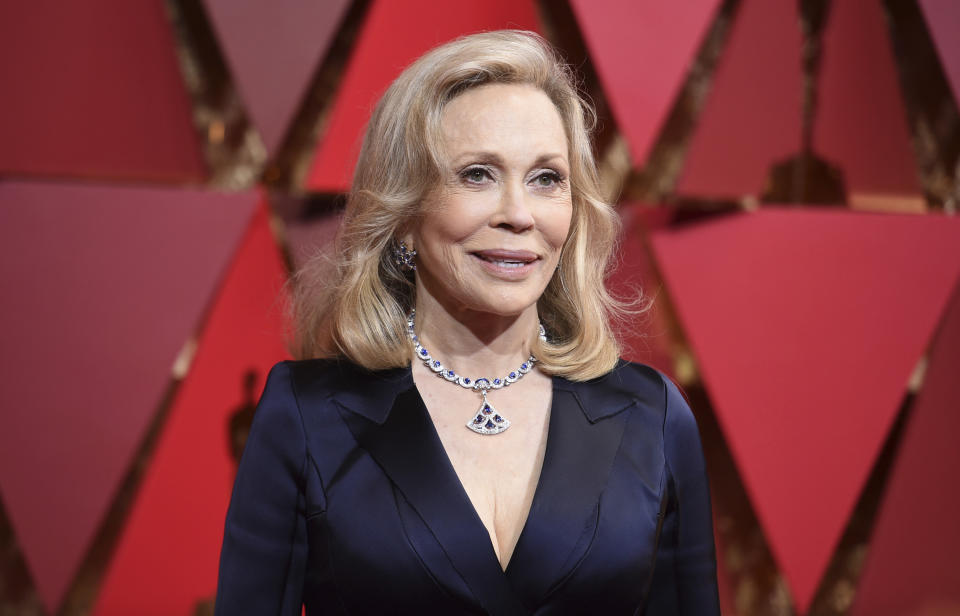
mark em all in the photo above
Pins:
pixel 548 179
pixel 475 175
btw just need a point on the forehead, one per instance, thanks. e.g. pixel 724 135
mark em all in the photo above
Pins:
pixel 509 119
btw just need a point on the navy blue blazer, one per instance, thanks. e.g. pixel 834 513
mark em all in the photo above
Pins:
pixel 346 502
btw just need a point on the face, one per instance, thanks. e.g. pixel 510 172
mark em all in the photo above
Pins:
pixel 492 232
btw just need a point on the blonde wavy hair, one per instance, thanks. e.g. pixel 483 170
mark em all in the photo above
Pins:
pixel 354 303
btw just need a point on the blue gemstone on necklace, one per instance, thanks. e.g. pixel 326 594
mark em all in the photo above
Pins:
pixel 487 420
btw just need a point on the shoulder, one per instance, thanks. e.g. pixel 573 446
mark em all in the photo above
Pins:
pixel 642 387
pixel 288 380
pixel 627 384
pixel 317 382
pixel 681 434
pixel 676 405
pixel 303 371
pixel 329 375
pixel 635 378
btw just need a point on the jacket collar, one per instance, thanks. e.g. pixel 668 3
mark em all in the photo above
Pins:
pixel 388 418
pixel 372 393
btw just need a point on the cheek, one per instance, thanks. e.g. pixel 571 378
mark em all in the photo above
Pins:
pixel 442 238
pixel 453 223
pixel 557 228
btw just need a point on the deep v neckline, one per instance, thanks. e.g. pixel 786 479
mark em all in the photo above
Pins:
pixel 387 417
pixel 538 488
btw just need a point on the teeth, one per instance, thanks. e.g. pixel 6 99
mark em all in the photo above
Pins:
pixel 503 263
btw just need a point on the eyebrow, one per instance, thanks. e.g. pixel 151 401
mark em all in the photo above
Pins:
pixel 494 158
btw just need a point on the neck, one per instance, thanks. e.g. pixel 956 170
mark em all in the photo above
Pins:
pixel 473 343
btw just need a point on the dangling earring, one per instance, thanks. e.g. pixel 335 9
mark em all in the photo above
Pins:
pixel 403 256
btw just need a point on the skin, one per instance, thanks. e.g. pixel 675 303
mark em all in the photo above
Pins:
pixel 505 187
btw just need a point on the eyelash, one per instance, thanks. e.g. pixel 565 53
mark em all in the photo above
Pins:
pixel 558 179
pixel 466 173
pixel 556 176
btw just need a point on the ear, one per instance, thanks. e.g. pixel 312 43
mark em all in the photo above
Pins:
pixel 407 237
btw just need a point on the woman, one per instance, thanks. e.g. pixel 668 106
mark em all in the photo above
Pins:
pixel 470 442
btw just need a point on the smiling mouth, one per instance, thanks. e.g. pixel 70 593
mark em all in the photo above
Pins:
pixel 507 259
pixel 503 262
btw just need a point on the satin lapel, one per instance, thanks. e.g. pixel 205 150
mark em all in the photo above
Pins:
pixel 408 449
pixel 563 515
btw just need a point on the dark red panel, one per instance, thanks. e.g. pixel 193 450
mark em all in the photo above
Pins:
pixel 807 325
pixel 645 338
pixel 943 21
pixel 642 50
pixel 307 238
pixel 273 49
pixel 93 89
pixel 102 288
pixel 166 561
pixel 394 35
pixel 911 567
pixel 752 116
pixel 860 122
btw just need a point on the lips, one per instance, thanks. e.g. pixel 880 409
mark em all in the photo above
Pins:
pixel 507 258
pixel 509 265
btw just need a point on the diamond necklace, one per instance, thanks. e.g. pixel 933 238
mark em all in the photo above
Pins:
pixel 486 420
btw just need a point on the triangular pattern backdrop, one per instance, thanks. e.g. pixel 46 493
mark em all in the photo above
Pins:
pixel 859 94
pixel 394 34
pixel 803 325
pixel 176 524
pixel 73 106
pixel 756 91
pixel 910 572
pixel 104 286
pixel 642 50
pixel 273 49
pixel 943 19
pixel 806 371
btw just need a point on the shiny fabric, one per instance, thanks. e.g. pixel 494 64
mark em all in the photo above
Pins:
pixel 346 501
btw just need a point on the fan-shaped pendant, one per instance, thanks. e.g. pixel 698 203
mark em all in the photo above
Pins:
pixel 487 420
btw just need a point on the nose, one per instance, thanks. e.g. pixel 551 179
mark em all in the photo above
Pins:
pixel 514 212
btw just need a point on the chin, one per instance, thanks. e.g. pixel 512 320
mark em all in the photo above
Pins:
pixel 506 305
